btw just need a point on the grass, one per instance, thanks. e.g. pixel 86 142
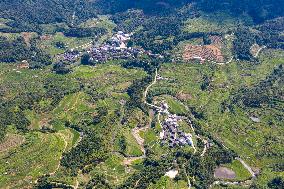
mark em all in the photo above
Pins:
pixel 113 170
pixel 70 42
pixel 108 78
pixel 76 136
pixel 37 156
pixel 167 183
pixel 175 106
pixel 132 147
pixel 102 22
pixel 34 119
pixel 238 168
pixel 73 107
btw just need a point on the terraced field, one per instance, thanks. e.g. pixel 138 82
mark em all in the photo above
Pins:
pixel 37 156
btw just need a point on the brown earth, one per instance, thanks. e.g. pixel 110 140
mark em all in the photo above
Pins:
pixel 202 52
pixel 27 37
pixel 11 141
pixel 45 37
pixel 224 173
pixel 183 96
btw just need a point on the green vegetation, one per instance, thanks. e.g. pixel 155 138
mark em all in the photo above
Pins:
pixel 37 156
pixel 69 119
pixel 241 172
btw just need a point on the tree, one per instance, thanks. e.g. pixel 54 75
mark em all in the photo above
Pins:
pixel 276 183
pixel 122 143
pixel 61 68
pixel 59 45
pixel 86 59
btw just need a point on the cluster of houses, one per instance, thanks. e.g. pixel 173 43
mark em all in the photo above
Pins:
pixel 71 55
pixel 115 48
pixel 171 131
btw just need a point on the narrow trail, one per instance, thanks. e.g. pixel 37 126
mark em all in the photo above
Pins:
pixel 224 63
pixel 259 50
pixel 135 132
pixel 205 142
pixel 147 90
pixel 188 180
pixel 247 167
pixel 75 103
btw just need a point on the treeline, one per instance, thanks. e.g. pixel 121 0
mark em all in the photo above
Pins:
pixel 155 33
pixel 17 50
pixel 90 149
pixel 27 15
pixel 271 33
pixel 259 10
pixel 158 34
pixel 242 44
pixel 84 32
pixel 137 88
pixel 150 7
pixel 268 35
pixel 148 65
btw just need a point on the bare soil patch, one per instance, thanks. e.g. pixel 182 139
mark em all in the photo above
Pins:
pixel 27 37
pixel 224 173
pixel 11 141
pixel 210 52
pixel 45 37
pixel 183 96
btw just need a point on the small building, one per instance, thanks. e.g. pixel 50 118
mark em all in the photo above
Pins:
pixel 23 65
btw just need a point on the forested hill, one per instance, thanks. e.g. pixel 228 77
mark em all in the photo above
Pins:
pixel 25 15
pixel 259 10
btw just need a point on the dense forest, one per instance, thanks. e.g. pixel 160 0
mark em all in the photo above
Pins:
pixel 27 15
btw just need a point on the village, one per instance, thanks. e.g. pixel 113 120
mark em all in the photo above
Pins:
pixel 171 131
pixel 115 48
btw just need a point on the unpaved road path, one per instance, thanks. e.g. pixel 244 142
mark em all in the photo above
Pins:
pixel 247 167
pixel 135 132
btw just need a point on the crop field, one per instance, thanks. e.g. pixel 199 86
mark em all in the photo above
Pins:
pixel 48 43
pixel 72 108
pixel 113 170
pixel 102 21
pixel 37 156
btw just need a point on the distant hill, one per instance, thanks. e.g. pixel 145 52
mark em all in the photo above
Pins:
pixel 25 15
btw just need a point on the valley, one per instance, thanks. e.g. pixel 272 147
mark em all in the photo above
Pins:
pixel 184 94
